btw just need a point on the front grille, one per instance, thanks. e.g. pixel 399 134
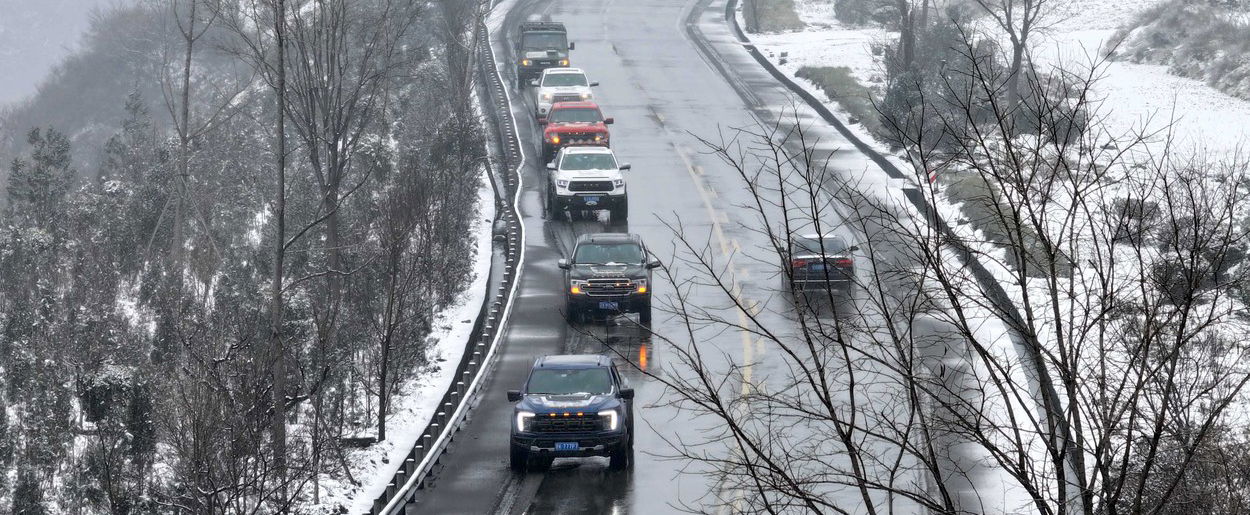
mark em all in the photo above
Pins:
pixel 590 186
pixel 579 138
pixel 566 97
pixel 609 287
pixel 563 424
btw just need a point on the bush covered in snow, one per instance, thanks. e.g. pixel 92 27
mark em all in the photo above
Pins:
pixel 1204 40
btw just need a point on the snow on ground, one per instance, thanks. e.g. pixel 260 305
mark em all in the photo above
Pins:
pixel 412 408
pixel 1136 97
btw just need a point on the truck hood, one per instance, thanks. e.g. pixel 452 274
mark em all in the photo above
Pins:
pixel 551 90
pixel 543 54
pixel 631 271
pixel 585 402
pixel 590 174
pixel 562 127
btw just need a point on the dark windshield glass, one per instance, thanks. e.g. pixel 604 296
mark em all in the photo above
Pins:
pixel 604 253
pixel 575 115
pixel 595 381
pixel 564 79
pixel 832 245
pixel 543 41
pixel 588 162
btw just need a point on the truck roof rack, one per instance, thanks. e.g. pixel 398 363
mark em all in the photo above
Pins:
pixel 550 26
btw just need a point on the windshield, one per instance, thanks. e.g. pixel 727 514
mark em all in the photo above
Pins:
pixel 595 381
pixel 604 253
pixel 831 245
pixel 564 79
pixel 573 162
pixel 543 41
pixel 575 115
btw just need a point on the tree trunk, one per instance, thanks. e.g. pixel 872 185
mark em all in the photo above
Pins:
pixel 277 357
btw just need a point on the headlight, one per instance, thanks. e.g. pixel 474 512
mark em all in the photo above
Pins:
pixel 525 62
pixel 523 419
pixel 561 183
pixel 555 138
pixel 640 286
pixel 546 97
pixel 587 96
pixel 564 62
pixel 575 287
pixel 598 137
pixel 611 419
pixel 616 183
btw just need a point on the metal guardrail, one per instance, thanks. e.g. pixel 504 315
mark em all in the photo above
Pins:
pixel 488 328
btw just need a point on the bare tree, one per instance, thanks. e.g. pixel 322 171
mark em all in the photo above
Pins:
pixel 1114 353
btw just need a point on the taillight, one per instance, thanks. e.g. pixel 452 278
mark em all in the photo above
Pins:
pixel 843 262
pixel 798 263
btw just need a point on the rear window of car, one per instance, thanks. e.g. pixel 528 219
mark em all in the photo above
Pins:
pixel 588 162
pixel 594 381
pixel 575 115
pixel 604 253
pixel 564 79
pixel 828 244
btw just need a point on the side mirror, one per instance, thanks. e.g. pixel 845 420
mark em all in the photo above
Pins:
pixel 514 395
pixel 551 165
pixel 542 120
pixel 563 264
pixel 609 120
pixel 594 83
pixel 653 265
pixel 534 82
pixel 571 45
pixel 626 166
pixel 626 393
pixel 853 248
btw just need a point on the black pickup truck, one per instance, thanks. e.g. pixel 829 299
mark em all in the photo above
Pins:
pixel 541 45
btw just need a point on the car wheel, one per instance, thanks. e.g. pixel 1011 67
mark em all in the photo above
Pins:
pixel 518 459
pixel 619 214
pixel 644 314
pixel 574 315
pixel 550 205
pixel 542 463
pixel 622 457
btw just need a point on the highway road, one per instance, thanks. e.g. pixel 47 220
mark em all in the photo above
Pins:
pixel 670 72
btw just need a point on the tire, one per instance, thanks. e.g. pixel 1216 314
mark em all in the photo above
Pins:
pixel 542 463
pixel 575 315
pixel 620 214
pixel 518 459
pixel 550 205
pixel 644 314
pixel 622 457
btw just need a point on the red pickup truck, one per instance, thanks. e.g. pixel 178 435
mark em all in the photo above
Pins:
pixel 573 123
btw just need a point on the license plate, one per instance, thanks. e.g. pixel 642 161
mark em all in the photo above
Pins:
pixel 816 267
pixel 567 446
pixel 606 304
pixel 590 201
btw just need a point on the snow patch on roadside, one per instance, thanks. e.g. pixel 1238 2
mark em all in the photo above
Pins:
pixel 414 405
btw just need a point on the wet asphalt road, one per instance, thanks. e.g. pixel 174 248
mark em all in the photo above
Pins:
pixel 663 87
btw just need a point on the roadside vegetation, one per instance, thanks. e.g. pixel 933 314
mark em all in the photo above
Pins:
pixel 771 15
pixel 228 228
pixel 1204 40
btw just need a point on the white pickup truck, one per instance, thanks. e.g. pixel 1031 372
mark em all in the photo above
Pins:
pixel 586 179
pixel 561 85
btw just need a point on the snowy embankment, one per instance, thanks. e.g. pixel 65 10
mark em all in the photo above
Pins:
pixel 1135 99
pixel 414 405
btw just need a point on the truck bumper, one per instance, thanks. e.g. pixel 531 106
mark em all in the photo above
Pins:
pixel 588 444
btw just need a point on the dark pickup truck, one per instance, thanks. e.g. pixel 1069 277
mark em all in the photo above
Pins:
pixel 572 406
pixel 542 45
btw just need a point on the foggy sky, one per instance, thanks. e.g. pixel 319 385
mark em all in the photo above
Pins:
pixel 34 36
